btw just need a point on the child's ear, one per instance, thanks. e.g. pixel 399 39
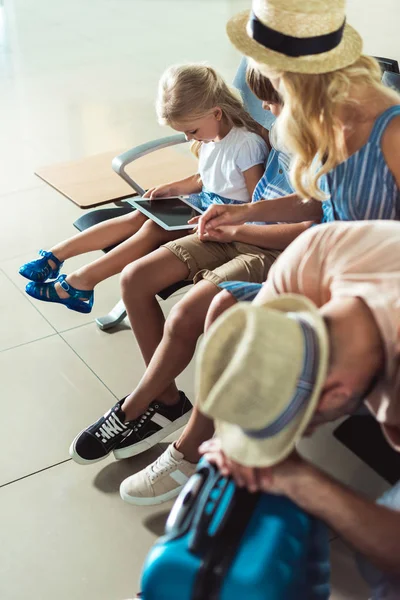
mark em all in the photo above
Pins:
pixel 218 113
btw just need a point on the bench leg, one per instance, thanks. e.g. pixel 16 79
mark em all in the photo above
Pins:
pixel 115 316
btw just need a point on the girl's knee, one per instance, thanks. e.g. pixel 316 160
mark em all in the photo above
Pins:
pixel 219 305
pixel 155 232
pixel 132 278
pixel 136 218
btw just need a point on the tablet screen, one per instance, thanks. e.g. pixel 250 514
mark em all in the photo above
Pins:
pixel 172 211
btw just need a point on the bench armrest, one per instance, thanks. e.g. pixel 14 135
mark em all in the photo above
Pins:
pixel 120 162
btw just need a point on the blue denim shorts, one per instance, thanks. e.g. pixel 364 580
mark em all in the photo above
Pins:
pixel 206 199
pixel 242 291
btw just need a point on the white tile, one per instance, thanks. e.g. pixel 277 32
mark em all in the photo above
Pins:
pixel 20 322
pixel 66 534
pixel 47 396
pixel 115 356
pixel 33 219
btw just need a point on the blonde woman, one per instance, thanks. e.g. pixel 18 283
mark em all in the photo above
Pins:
pixel 341 124
pixel 192 99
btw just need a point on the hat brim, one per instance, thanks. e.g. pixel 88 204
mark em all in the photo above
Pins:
pixel 265 453
pixel 345 54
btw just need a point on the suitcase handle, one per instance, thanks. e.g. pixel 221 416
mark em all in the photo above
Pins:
pixel 207 510
pixel 184 503
pixel 219 551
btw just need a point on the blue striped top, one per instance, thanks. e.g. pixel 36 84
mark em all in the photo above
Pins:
pixel 363 187
pixel 275 182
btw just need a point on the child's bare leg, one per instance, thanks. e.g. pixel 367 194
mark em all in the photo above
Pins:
pixel 99 236
pixel 177 344
pixel 201 428
pixel 140 282
pixel 149 237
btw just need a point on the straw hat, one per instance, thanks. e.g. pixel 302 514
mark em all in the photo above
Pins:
pixel 301 36
pixel 260 371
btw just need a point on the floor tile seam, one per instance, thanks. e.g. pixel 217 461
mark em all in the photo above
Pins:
pixel 33 304
pixel 39 339
pixel 88 366
pixel 78 327
pixel 61 462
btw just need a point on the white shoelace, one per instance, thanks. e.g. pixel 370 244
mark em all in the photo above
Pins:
pixel 110 428
pixel 164 463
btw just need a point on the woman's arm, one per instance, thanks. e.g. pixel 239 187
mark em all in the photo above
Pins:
pixel 287 208
pixel 189 185
pixel 391 148
pixel 276 237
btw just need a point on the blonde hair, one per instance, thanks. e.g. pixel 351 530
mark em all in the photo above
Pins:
pixel 187 92
pixel 309 123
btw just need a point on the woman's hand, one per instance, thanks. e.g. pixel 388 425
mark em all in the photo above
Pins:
pixel 279 479
pixel 218 215
pixel 222 234
pixel 162 191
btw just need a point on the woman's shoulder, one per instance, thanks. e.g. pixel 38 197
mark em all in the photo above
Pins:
pixel 390 145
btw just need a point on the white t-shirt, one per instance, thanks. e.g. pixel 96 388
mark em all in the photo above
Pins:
pixel 221 164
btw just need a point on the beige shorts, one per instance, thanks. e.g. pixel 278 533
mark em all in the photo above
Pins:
pixel 218 262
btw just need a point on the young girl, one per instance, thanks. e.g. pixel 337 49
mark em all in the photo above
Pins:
pixel 193 99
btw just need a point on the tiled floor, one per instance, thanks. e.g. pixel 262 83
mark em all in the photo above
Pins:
pixel 78 78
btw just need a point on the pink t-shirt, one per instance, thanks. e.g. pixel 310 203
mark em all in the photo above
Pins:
pixel 358 259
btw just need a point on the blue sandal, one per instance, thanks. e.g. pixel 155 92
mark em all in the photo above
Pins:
pixel 79 300
pixel 39 270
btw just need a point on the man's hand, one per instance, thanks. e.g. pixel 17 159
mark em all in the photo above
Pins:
pixel 279 479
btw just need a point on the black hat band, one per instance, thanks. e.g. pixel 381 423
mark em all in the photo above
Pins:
pixel 293 46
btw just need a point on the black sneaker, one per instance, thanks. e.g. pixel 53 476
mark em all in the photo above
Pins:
pixel 157 423
pixel 97 441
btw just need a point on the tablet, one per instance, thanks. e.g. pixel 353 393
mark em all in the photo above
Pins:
pixel 170 213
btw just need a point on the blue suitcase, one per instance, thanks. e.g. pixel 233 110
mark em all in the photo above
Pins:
pixel 223 543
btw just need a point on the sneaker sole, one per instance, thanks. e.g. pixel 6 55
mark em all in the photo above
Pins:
pixel 140 501
pixel 152 440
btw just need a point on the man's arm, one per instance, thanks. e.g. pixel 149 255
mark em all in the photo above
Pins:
pixel 372 530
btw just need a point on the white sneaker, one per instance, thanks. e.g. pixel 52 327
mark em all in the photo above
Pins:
pixel 159 482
